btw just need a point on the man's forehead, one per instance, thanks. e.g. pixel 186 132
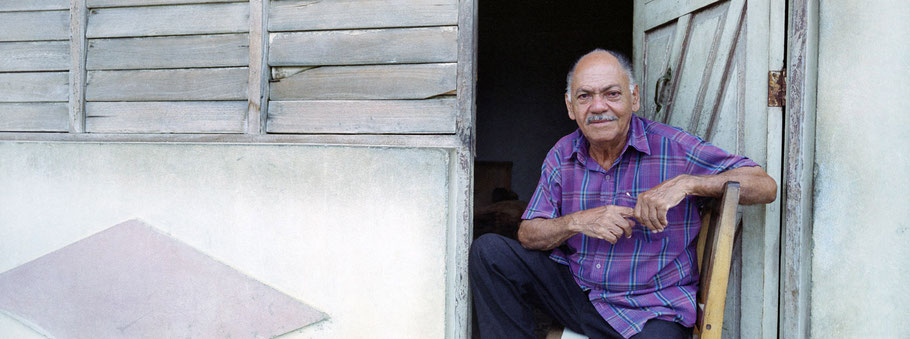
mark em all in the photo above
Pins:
pixel 598 70
pixel 597 87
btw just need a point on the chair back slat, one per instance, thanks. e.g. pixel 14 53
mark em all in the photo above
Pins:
pixel 715 253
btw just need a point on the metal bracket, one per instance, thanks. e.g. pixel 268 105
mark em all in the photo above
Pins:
pixel 777 88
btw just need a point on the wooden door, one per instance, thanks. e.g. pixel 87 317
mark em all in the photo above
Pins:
pixel 703 66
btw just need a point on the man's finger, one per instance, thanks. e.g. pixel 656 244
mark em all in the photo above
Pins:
pixel 653 222
pixel 610 236
pixel 662 218
pixel 628 230
pixel 637 212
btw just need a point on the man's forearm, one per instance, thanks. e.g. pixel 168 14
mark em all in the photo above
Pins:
pixel 756 186
pixel 544 234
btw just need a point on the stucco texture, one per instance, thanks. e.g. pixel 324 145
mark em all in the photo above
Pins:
pixel 861 230
pixel 358 233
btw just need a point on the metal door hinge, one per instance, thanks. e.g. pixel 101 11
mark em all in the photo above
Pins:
pixel 777 88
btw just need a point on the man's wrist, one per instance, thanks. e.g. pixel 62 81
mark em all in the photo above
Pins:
pixel 689 183
pixel 572 223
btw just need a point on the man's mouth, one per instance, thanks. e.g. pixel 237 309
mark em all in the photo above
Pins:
pixel 597 118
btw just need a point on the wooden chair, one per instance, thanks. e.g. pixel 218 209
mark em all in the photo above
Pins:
pixel 715 253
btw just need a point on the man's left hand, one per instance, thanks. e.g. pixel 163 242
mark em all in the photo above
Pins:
pixel 652 206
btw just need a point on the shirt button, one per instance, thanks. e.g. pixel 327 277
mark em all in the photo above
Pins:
pixel 598 265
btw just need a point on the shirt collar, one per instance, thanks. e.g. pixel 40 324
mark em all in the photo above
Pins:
pixel 638 139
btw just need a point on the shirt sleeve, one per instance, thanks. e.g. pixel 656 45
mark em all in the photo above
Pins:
pixel 547 197
pixel 707 159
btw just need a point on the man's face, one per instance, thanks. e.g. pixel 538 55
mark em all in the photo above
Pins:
pixel 601 101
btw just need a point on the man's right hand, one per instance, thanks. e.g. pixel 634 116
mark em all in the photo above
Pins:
pixel 606 222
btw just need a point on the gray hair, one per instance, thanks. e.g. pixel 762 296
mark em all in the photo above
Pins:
pixel 623 61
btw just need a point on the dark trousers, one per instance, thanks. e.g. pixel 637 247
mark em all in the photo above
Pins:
pixel 507 280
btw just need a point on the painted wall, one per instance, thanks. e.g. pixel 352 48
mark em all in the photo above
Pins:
pixel 358 233
pixel 860 265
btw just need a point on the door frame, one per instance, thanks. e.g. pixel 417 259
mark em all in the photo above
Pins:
pixel 799 143
pixel 796 261
pixel 461 179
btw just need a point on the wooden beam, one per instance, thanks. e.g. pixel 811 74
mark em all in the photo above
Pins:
pixel 362 116
pixel 258 92
pixel 168 20
pixel 358 47
pixel 408 81
pixel 170 84
pixel 127 3
pixel 461 193
pixel 223 50
pixel 304 15
pixel 165 117
pixel 796 261
pixel 78 17
pixel 440 141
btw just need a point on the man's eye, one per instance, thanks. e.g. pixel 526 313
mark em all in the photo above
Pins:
pixel 582 96
pixel 613 94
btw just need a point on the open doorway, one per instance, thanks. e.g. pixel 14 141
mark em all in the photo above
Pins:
pixel 525 49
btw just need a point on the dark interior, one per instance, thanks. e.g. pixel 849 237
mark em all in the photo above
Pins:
pixel 525 49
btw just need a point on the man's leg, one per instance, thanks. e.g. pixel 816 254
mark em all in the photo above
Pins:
pixel 507 278
pixel 662 329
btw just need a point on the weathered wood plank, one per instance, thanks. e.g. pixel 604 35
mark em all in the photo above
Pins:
pixel 349 117
pixel 357 47
pixel 303 15
pixel 175 84
pixel 440 141
pixel 78 18
pixel 34 117
pixel 419 81
pixel 34 26
pixel 168 20
pixel 168 52
pixel 34 87
pixel 127 3
pixel 34 56
pixel 165 117
pixel 799 134
pixel 461 210
pixel 42 5
pixel 662 11
pixel 259 71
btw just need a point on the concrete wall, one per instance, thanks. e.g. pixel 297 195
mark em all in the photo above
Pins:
pixel 357 233
pixel 861 230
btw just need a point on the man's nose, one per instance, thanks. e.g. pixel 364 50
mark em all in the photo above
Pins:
pixel 599 104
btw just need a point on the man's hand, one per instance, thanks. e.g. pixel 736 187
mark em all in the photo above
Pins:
pixel 607 222
pixel 652 206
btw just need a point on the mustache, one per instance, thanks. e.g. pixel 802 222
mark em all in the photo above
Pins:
pixel 600 117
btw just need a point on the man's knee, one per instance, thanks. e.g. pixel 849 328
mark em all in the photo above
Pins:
pixel 487 248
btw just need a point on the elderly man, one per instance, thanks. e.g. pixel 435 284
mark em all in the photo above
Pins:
pixel 607 244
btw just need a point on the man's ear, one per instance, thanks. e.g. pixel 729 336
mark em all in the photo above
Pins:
pixel 569 107
pixel 636 100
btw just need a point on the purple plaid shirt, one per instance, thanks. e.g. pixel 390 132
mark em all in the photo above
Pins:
pixel 649 276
